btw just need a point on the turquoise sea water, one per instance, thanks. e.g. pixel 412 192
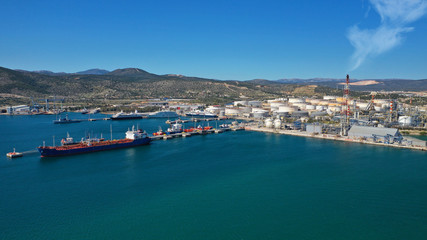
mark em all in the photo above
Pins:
pixel 235 185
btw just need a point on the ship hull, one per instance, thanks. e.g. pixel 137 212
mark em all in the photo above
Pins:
pixel 53 152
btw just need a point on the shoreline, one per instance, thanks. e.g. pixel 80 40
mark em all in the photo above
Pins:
pixel 331 137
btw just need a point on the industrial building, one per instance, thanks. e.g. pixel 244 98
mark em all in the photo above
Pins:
pixel 388 134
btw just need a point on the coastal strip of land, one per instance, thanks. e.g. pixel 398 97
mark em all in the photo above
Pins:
pixel 252 127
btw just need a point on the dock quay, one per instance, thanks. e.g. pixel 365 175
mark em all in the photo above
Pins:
pixel 196 120
pixel 189 134
pixel 333 137
pixel 94 119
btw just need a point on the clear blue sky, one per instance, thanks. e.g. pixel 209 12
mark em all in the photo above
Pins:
pixel 222 39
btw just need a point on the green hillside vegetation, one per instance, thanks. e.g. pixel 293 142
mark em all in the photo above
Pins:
pixel 134 83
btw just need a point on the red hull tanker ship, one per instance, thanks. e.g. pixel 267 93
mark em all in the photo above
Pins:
pixel 133 138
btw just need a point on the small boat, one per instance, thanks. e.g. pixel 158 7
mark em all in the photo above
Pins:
pixel 14 154
pixel 159 133
pixel 65 120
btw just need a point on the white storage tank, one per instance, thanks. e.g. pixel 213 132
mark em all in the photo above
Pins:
pixel 296 100
pixel 287 109
pixel 277 123
pixel 300 105
pixel 405 120
pixel 232 112
pixel 268 123
pixel 310 107
pixel 329 97
pixel 214 110
pixel 362 105
pixel 381 101
pixel 277 104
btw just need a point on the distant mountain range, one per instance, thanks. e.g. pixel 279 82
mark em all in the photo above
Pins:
pixel 94 71
pixel 356 84
pixel 136 83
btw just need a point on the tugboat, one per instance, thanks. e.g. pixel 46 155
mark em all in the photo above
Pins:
pixel 133 138
pixel 14 154
pixel 159 133
pixel 174 128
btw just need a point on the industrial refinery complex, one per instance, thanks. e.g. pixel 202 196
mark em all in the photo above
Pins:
pixel 376 121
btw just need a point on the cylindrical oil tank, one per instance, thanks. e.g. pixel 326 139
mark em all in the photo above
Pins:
pixel 310 107
pixel 405 120
pixel 362 105
pixel 232 112
pixel 381 101
pixel 329 97
pixel 287 109
pixel 296 100
pixel 300 105
pixel 268 123
pixel 277 104
pixel 277 123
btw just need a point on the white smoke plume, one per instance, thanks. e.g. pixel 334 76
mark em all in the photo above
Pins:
pixel 395 17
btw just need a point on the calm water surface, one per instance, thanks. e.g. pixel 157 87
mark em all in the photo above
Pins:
pixel 235 185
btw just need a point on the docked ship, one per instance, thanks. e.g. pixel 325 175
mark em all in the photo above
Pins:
pixel 199 128
pixel 174 128
pixel 201 114
pixel 65 120
pixel 124 116
pixel 163 114
pixel 133 138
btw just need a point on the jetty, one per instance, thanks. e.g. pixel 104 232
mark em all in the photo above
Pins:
pixel 195 120
pixel 196 132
